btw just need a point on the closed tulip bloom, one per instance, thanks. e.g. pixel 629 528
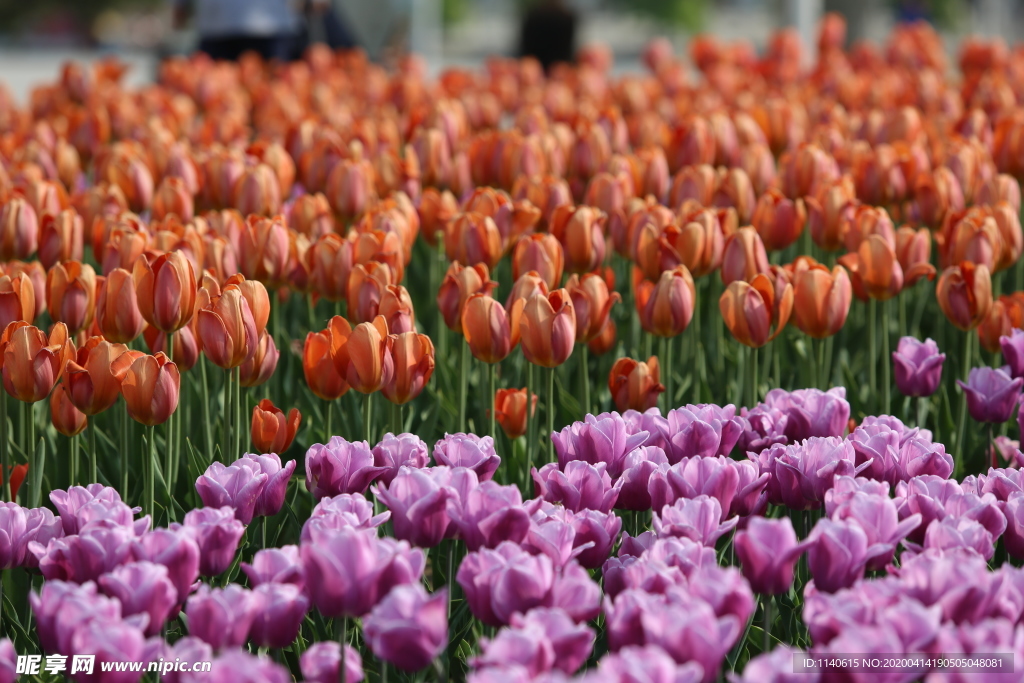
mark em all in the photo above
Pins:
pixel 275 565
pixel 216 531
pixel 541 253
pixel 580 231
pixel 490 331
pixel 768 551
pixel 264 247
pixel 830 212
pixel 634 384
pixel 94 377
pixel 172 197
pixel 71 295
pixel 412 357
pixel 322 376
pixel 258 369
pixel 666 308
pixel 183 344
pixel 272 431
pixel 221 617
pixel 743 256
pixel 548 329
pixel 255 294
pixel 913 250
pixel 32 361
pixel 282 608
pixel 778 220
pixel 593 304
pixel 874 269
pixel 175 549
pixel 322 661
pixel 367 284
pixel 997 189
pixel 917 366
pixel 473 237
pixel 227 330
pixel 837 554
pixel 330 261
pixel 150 389
pixel 257 191
pixel 17 299
pixel 19 229
pixel 693 182
pixel 698 519
pixel 470 451
pixel 409 627
pixel 361 355
pixel 868 220
pixel 418 500
pixel 271 497
pixel 458 285
pixel 66 418
pixel 117 308
pixel 350 188
pixel 311 215
pixel 991 394
pixel 395 452
pixel 396 307
pixel 142 588
pixel 510 410
pixel 606 340
pixel 340 467
pixel 61 238
pixel 166 290
pixel 757 312
pixel 33 270
pixel 821 300
pixel 965 294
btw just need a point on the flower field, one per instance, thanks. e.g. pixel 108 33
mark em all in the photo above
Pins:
pixel 323 372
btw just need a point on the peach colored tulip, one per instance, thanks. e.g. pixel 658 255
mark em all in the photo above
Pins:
pixel 361 354
pixel 45 197
pixel 757 160
pixel 129 172
pixel 183 343
pixel 830 213
pixel 318 367
pixel 311 215
pixel 743 256
pixel 396 307
pixel 172 197
pixel 964 293
pixel 734 189
pixel 151 388
pixel 382 247
pixel 593 304
pixel 634 384
pixel 219 256
pixel 71 294
pixel 412 355
pixel 93 378
pixel 166 290
pixel 868 220
pixel 692 142
pixel 666 307
pixel 226 329
pixel 60 238
pixel 510 411
pixel 778 220
pixel 548 329
pixel 350 189
pixel 541 253
pixel 756 312
pixel 973 236
pixel 875 271
pixel 258 369
pixel 276 157
pixel 1007 219
pixel 913 250
pixel 580 231
pixel 805 171
pixel 605 340
pixel 366 286
pixel 263 250
pixel 512 218
pixel 221 171
pixel 19 229
pixel 17 299
pixel 102 200
pixel 696 242
pixel 124 249
pixel 491 331
pixel 66 418
pixel 436 208
pixel 33 361
pixel 33 270
pixel 257 191
pixel 640 213
pixel 995 325
pixel 272 431
pixel 999 188
pixel 821 298
pixel 693 182
pixel 256 296
pixel 605 191
pixel 458 285
pixel 937 194
pixel 473 238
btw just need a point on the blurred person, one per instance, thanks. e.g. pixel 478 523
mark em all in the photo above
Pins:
pixel 229 28
pixel 548 33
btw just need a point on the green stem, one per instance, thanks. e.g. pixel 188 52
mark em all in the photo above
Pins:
pixel 585 376
pixel 463 382
pixel 229 417
pixel 767 603
pixel 824 374
pixel 342 672
pixel 902 313
pixel 368 418
pixel 34 494
pixel 396 419
pixel 73 461
pixel 531 423
pixel 491 386
pixel 150 461
pixel 207 414
pixel 753 377
pixel 961 434
pixel 886 362
pixel 169 445
pixel 311 307
pixel 5 454
pixel 124 452
pixel 93 455
pixel 551 414
pixel 330 416
pixel 664 344
pixel 873 348
pixel 923 403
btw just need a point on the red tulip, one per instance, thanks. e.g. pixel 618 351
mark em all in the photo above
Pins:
pixel 272 431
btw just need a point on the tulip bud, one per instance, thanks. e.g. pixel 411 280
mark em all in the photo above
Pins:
pixel 874 269
pixel 634 384
pixel 94 376
pixel 183 343
pixel 71 294
pixel 33 362
pixel 965 294
pixel 435 210
pixel 117 310
pixel 125 248
pixel 548 329
pixel 510 410
pixel 913 250
pixel 257 191
pixel 166 290
pixel 473 237
pixel 272 432
pixel 19 229
pixel 821 300
pixel 412 356
pixel 830 212
pixel 366 286
pixel 581 233
pixel 592 303
pixel 778 220
pixel 329 261
pixel 321 374
pixel 226 329
pixel 66 418
pixel 693 182
pixel 17 299
pixel 490 331
pixel 150 389
pixel 743 256
pixel 263 250
pixel 61 238
pixel 458 285
pixel 666 308
pixel 396 307
pixel 173 198
pixel 735 190
pixel 255 294
pixel 311 215
pixel 361 354
pixel 350 188
pixel 258 369
pixel 757 312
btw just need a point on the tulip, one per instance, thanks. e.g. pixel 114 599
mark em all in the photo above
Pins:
pixel 271 498
pixel 222 617
pixel 60 238
pixel 878 516
pixel 693 182
pixel 96 550
pixel 874 269
pixel 275 565
pixel 418 500
pixel 257 191
pixel 510 410
pixel 489 514
pixel 395 452
pixel 166 290
pixel 173 197
pixel 548 329
pixel 697 519
pixel 541 253
pixel 361 355
pixel 965 294
pixel 176 550
pixel 991 394
pixel 768 551
pixel 541 640
pixel 66 418
pixel 283 606
pixel 71 295
pixel 581 234
pixel 778 220
pixel 501 582
pixel 17 299
pixel 226 328
pixel 436 208
pixel 94 378
pixel 743 256
pixel 344 511
pixel 19 229
pixel 117 309
pixel 150 389
pixel 216 531
pixel 666 308
pixel 917 366
pixel 821 300
pixel 340 467
pixel 458 285
pixel 350 188
pixel 142 588
pixel 263 249
pixel 838 552
pixel 581 486
pixel 468 450
pixel 913 250
pixel 473 237
pixel 634 384
pixel 236 486
pixel 318 367
pixel 655 663
pixel 255 294
pixel 272 432
pixel 32 361
pixel 183 344
pixel 605 341
pixel 396 307
pixel 490 332
pixel 756 313
pixel 408 628
pixel 258 369
pixel 412 355
pixel 322 661
pixel 592 303
pixel 367 284
pixel 329 261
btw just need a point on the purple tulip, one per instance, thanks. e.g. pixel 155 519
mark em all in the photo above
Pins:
pixel 1013 539
pixel 637 469
pixel 698 519
pixel 919 456
pixel 936 498
pixel 13 524
pixel 877 446
pixel 340 467
pixel 110 640
pixel 802 473
pixel 500 582
pixel 598 529
pixel 409 627
pixel 845 487
pixel 61 607
pixel 725 590
pixel 86 556
pixel 271 498
pixel 176 550
pixel 142 588
pixel 470 451
pixel 102 512
pixel 188 649
pixel 8 661
pixel 581 486
pixel 764 427
pixel 221 617
pixel 576 593
pixel 217 533
pixel 601 438
pixel 348 571
pixel 394 452
pixel 636 545
pixel 828 614
pixel 1002 483
pixel 648 663
pixel 238 666
pixel 282 607
pixel 1012 346
pixel 541 640
pixel 490 514
pixel 768 550
pixel 69 502
pixel 237 486
pixel 346 510
pixel 1008 450
pixel 991 394
pixel 958 582
pixel 552 533
pixel 838 552
pixel 917 366
pixel 321 662
pixel 811 412
pixel 510 673
pixel 949 534
pixel 684 554
pixel 718 478
pixel 40 527
pixel 275 565
pixel 775 667
pixel 418 500
pixel 620 574
pixel 700 431
pixel 880 520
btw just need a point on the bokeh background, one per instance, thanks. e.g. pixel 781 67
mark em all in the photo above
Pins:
pixel 35 37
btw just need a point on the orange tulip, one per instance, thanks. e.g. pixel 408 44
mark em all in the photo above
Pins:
pixel 830 212
pixel 548 192
pixel 350 188
pixel 580 231
pixel 329 261
pixel 510 410
pixel 361 354
pixel 592 303
pixel 435 210
pixel 117 308
pixel 61 238
pixel 263 250
pixel 33 270
pixel 125 248
pixel 19 229
pixel 605 340
pixel 541 253
pixel 1008 221
pixel 458 285
pixel 875 271
pixel 318 367
pixel 173 198
pixel 913 250
pixel 936 194
pixel 757 312
pixel 735 190
pixel 126 169
pixel 183 343
pixel 33 362
pixel 973 236
pixel 93 378
pixel 257 191
pixel 17 299
pixel 473 238
pixel 743 256
pixel 634 384
pixel 778 220
pixel 512 218
pixel 412 355
pixel 258 369
pixel 275 157
pixel 995 325
pixel 150 389
pixel 381 246
pixel 490 331
pixel 66 418
pixel 311 215
pixel 821 298
pixel 166 290
pixel 256 296
pixel 271 431
pixel 366 286
pixel 693 182
pixel 226 329
pixel 640 212
pixel 999 188
pixel 71 294
pixel 805 171
pixel 965 294
pixel 548 329
pixel 396 307
pixel 877 174
pixel 666 308
pixel 868 220
pixel 759 163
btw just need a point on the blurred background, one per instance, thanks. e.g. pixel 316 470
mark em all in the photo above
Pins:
pixel 36 37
